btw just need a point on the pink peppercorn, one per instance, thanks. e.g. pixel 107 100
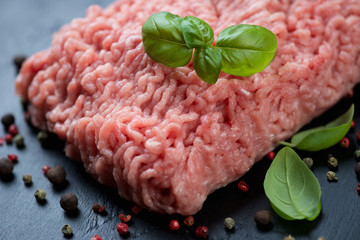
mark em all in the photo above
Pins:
pixel 136 209
pixel 1 141
pixel 97 208
pixel 189 221
pixel 345 142
pixel 358 135
pixel 243 186
pixel 122 228
pixel 358 188
pixel 202 232
pixel 8 138
pixel 270 155
pixel 124 218
pixel 45 169
pixel 352 124
pixel 12 157
pixel 96 237
pixel 174 225
pixel 13 130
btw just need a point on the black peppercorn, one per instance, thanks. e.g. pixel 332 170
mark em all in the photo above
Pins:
pixel 56 175
pixel 357 169
pixel 18 61
pixel 262 218
pixel 69 202
pixel 7 120
pixel 6 167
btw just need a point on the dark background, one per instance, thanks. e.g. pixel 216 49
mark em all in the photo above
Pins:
pixel 26 27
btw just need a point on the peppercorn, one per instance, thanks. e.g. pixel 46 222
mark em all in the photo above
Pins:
pixel 136 209
pixel 332 162
pixel 262 218
pixel 308 161
pixel 358 135
pixel 43 138
pixel 270 155
pixel 321 238
pixel 189 221
pixel 345 142
pixel 40 195
pixel 229 223
pixel 96 237
pixel 352 126
pixel 174 225
pixel 122 228
pixel 242 185
pixel 1 141
pixel 357 153
pixel 202 232
pixel 358 188
pixel 124 218
pixel 67 230
pixel 18 61
pixel 27 178
pixel 12 157
pixel 331 176
pixel 69 202
pixel 45 169
pixel 289 238
pixel 13 130
pixel 8 138
pixel 6 167
pixel 357 169
pixel 56 175
pixel 97 208
pixel 7 120
pixel 19 141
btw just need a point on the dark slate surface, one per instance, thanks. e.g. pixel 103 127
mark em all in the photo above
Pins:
pixel 26 27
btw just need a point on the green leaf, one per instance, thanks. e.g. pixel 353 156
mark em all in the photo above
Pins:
pixel 246 49
pixel 323 137
pixel 293 190
pixel 197 33
pixel 163 40
pixel 207 64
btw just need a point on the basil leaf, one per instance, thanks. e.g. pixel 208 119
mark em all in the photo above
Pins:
pixel 246 49
pixel 292 188
pixel 207 64
pixel 163 40
pixel 197 33
pixel 323 137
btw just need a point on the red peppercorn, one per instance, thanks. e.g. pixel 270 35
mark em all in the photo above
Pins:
pixel 270 155
pixel 352 124
pixel 350 94
pixel 189 221
pixel 98 208
pixel 136 209
pixel 1 141
pixel 358 135
pixel 8 138
pixel 358 188
pixel 202 232
pixel 122 228
pixel 242 185
pixel 174 225
pixel 96 237
pixel 12 157
pixel 345 142
pixel 45 169
pixel 13 130
pixel 124 218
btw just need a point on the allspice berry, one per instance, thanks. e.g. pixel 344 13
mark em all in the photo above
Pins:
pixel 56 175
pixel 6 167
pixel 69 202
pixel 262 218
pixel 7 120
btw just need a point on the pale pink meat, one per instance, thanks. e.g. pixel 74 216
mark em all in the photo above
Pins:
pixel 162 136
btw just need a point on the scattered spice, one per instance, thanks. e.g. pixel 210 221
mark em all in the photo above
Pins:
pixel 97 208
pixel 331 176
pixel 40 195
pixel 174 225
pixel 67 230
pixel 352 126
pixel 124 218
pixel 136 209
pixel 19 141
pixel 13 129
pixel 350 94
pixel 8 138
pixel 27 178
pixel 357 153
pixel 345 142
pixel 12 157
pixel 7 120
pixel 189 221
pixel 262 218
pixel 229 223
pixel 289 238
pixel 332 161
pixel 96 237
pixel 358 135
pixel 69 202
pixel 18 61
pixel 43 138
pixel 6 167
pixel 358 188
pixel 122 228
pixel 309 162
pixel 45 169
pixel 357 169
pixel 270 155
pixel 202 232
pixel 243 186
pixel 1 141
pixel 56 175
pixel 321 238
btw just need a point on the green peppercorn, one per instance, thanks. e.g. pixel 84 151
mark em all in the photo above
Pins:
pixel 43 138
pixel 357 169
pixel 69 202
pixel 331 176
pixel 332 162
pixel 67 230
pixel 6 167
pixel 19 141
pixel 357 153
pixel 56 175
pixel 27 178
pixel 262 218
pixel 40 195
pixel 308 161
pixel 229 223
pixel 321 238
pixel 289 238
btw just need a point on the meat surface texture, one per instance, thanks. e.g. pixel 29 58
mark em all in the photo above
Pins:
pixel 161 136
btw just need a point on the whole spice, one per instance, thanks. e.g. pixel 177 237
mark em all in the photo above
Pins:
pixel 345 142
pixel 229 223
pixel 331 176
pixel 357 169
pixel 56 175
pixel 332 162
pixel 122 228
pixel 124 218
pixel 13 130
pixel 1 141
pixel 96 237
pixel 69 202
pixel 136 209
pixel 358 135
pixel 357 153
pixel 43 137
pixel 189 221
pixel 6 167
pixel 40 195
pixel 45 169
pixel 97 208
pixel 289 238
pixel 270 155
pixel 8 138
pixel 321 238
pixel 19 141
pixel 27 178
pixel 262 218
pixel 358 188
pixel 174 225
pixel 243 186
pixel 352 124
pixel 308 161
pixel 7 120
pixel 12 157
pixel 18 61
pixel 202 232
pixel 67 230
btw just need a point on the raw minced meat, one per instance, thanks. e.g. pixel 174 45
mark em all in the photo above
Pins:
pixel 162 136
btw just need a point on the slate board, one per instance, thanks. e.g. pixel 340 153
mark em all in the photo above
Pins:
pixel 26 27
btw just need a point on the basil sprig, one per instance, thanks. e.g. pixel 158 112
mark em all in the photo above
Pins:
pixel 323 137
pixel 292 188
pixel 240 50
